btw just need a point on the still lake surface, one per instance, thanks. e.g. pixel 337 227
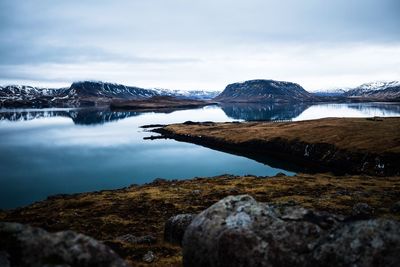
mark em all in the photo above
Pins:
pixel 55 151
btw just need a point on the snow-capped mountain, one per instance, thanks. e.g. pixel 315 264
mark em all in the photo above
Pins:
pixel 331 92
pixel 193 94
pixel 129 92
pixel 378 85
pixel 27 92
pixel 379 90
pixel 109 90
pixel 376 90
pixel 86 93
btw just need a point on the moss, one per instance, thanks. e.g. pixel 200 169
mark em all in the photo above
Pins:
pixel 344 133
pixel 142 210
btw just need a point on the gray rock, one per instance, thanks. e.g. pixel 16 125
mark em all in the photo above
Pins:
pixel 23 245
pixel 361 243
pixel 362 210
pixel 128 238
pixel 396 207
pixel 239 231
pixel 149 257
pixel 175 227
pixel 196 192
pixel 4 262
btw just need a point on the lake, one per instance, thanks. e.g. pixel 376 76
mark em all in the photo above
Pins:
pixel 56 151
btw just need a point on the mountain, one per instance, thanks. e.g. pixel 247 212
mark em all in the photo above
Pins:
pixel 332 92
pixel 86 93
pixel 18 96
pixel 269 91
pixel 376 91
pixel 194 94
pixel 28 92
pixel 109 90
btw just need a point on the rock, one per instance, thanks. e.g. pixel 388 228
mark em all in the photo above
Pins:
pixel 396 207
pixel 4 262
pixel 159 181
pixel 239 231
pixel 362 243
pixel 175 227
pixel 128 238
pixel 362 210
pixel 149 257
pixel 232 191
pixel 196 192
pixel 23 245
pixel 280 174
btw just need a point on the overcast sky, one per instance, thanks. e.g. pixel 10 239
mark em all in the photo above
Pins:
pixel 203 44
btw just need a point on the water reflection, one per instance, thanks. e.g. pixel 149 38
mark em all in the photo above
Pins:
pixel 377 109
pixel 53 151
pixel 237 111
pixel 350 110
pixel 78 116
pixel 264 112
pixel 45 153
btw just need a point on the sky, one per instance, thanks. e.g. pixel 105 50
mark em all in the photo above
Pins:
pixel 181 44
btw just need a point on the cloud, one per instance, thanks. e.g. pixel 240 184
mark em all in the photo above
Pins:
pixel 196 44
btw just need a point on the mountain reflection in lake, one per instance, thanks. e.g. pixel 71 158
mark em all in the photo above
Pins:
pixel 53 151
pixel 263 112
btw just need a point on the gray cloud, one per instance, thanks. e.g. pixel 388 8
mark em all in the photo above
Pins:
pixel 170 32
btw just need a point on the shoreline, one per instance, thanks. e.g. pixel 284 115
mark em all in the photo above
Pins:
pixel 143 210
pixel 139 212
pixel 340 145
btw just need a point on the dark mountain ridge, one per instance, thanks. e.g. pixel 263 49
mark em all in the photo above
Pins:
pixel 109 90
pixel 258 91
pixel 86 93
pixel 95 94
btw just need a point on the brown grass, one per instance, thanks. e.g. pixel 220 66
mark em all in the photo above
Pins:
pixel 142 210
pixel 353 134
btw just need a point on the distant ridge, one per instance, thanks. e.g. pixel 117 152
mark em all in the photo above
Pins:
pixel 264 91
pixel 87 93
pixel 97 93
pixel 380 90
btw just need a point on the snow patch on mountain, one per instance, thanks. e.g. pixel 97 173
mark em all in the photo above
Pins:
pixel 378 85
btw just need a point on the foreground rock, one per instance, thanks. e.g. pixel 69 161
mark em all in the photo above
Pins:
pixel 22 245
pixel 239 231
pixel 124 219
pixel 176 226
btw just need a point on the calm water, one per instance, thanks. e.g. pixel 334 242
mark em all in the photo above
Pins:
pixel 53 151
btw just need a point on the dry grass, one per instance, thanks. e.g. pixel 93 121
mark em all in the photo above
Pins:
pixel 142 210
pixel 353 134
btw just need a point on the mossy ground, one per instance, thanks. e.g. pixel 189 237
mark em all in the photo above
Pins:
pixel 367 135
pixel 142 210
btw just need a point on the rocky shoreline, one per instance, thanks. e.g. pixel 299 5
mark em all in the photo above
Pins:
pixel 131 221
pixel 325 148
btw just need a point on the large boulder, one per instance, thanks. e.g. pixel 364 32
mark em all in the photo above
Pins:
pixel 22 245
pixel 239 231
pixel 175 227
